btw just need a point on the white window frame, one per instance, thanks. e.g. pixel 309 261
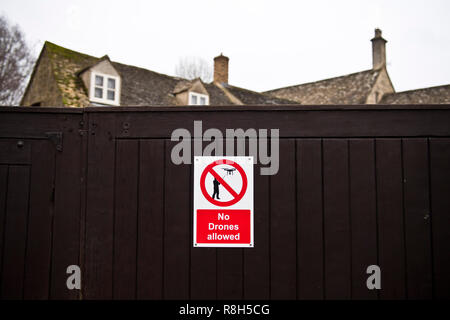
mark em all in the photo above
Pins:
pixel 198 95
pixel 104 99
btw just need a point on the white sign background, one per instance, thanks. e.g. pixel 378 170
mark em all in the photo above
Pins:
pixel 234 180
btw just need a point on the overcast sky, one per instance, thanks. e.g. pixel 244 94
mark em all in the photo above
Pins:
pixel 270 44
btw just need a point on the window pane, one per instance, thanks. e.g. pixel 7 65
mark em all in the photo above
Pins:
pixel 99 81
pixel 98 93
pixel 110 95
pixel 202 101
pixel 111 83
pixel 193 99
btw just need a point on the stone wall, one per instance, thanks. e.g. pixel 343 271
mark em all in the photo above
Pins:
pixel 381 87
pixel 42 89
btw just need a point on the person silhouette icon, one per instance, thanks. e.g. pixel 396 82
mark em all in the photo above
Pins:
pixel 216 189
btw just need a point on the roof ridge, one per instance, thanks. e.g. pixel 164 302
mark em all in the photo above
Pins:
pixel 248 90
pixel 421 89
pixel 55 46
pixel 148 70
pixel 261 93
pixel 323 80
pixel 229 94
pixel 52 45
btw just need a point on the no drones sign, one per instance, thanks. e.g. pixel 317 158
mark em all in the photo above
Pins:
pixel 223 202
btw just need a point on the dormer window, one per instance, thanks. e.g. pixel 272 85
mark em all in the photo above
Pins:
pixel 198 99
pixel 105 89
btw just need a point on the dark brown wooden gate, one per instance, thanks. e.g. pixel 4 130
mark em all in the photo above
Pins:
pixel 357 186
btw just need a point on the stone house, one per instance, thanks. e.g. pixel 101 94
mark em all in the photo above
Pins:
pixel 64 77
pixel 366 87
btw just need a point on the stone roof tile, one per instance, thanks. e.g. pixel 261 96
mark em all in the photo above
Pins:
pixel 66 64
pixel 432 95
pixel 140 87
pixel 349 89
pixel 255 98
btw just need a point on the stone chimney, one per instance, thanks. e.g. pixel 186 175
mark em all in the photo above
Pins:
pixel 221 69
pixel 378 50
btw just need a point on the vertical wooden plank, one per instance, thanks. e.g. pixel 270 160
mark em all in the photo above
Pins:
pixel 3 196
pixel 309 219
pixel 99 208
pixel 283 255
pixel 440 217
pixel 230 262
pixel 257 259
pixel 203 265
pixel 417 219
pixel 203 273
pixel 40 221
pixel 15 233
pixel 229 273
pixel 337 231
pixel 363 215
pixel 177 242
pixel 390 218
pixel 125 219
pixel 11 153
pixel 66 220
pixel 150 272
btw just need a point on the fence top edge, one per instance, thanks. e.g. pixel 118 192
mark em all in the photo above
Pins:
pixel 6 109
pixel 213 108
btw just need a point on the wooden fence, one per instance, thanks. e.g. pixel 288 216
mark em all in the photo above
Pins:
pixel 357 186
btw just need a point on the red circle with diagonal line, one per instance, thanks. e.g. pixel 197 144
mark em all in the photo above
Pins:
pixel 236 196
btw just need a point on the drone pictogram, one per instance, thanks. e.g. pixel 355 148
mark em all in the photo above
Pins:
pixel 229 171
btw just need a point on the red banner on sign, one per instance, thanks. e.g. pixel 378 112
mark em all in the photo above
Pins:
pixel 223 226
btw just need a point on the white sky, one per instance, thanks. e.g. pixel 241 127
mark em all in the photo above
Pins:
pixel 270 44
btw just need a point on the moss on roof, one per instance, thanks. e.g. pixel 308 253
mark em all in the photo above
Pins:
pixel 139 87
pixel 66 63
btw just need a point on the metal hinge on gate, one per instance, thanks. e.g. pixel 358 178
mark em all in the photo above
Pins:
pixel 56 138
